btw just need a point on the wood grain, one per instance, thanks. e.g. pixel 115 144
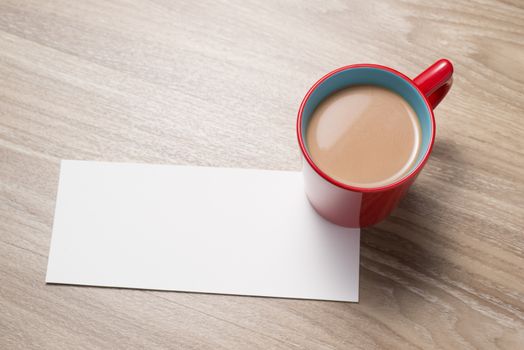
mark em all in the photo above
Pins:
pixel 219 83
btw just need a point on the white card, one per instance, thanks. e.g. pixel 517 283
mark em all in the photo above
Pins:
pixel 197 229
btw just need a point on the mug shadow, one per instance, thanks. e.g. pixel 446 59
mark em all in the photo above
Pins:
pixel 406 250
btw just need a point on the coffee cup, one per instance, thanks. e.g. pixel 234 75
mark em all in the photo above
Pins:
pixel 350 205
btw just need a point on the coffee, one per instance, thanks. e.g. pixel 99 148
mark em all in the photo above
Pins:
pixel 365 136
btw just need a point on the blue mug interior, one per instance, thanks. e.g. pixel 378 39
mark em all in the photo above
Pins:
pixel 378 77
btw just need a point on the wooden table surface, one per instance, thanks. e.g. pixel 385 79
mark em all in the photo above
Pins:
pixel 219 84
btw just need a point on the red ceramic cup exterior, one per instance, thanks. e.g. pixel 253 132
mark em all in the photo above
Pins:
pixel 356 207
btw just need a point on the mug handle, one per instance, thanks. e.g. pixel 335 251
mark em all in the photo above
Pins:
pixel 435 81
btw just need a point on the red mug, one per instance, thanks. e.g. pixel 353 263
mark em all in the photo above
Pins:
pixel 352 206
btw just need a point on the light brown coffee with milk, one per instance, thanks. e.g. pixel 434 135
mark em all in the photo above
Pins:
pixel 365 136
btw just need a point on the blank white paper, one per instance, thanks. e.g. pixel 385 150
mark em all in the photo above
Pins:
pixel 197 229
